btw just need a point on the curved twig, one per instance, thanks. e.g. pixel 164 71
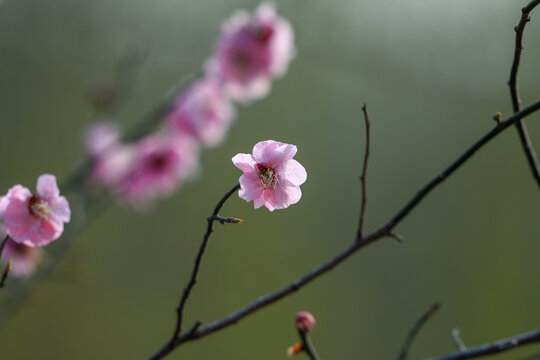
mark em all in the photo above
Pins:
pixel 363 178
pixel 422 320
pixel 514 91
pixel 198 260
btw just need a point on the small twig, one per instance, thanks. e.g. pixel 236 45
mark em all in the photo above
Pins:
pixel 498 346
pixel 364 173
pixel 198 260
pixel 3 244
pixel 227 220
pixel 396 236
pixel 514 91
pixel 307 345
pixel 457 340
pixel 5 274
pixel 422 320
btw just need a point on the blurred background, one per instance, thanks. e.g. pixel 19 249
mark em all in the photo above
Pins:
pixel 432 74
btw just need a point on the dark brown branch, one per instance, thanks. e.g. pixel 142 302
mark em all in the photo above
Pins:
pixel 307 345
pixel 383 231
pixel 8 265
pixel 422 320
pixel 198 260
pixel 514 91
pixel 3 244
pixel 5 274
pixel 494 347
pixel 364 173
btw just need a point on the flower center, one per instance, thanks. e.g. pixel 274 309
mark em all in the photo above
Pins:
pixel 39 208
pixel 267 176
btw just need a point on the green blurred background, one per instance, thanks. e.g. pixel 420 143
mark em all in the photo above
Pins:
pixel 432 73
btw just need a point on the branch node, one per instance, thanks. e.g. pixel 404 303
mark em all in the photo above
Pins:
pixel 400 239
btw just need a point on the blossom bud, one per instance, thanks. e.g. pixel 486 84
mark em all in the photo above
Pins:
pixel 295 349
pixel 304 321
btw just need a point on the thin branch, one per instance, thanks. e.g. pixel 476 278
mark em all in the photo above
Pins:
pixel 511 120
pixel 8 265
pixel 5 274
pixel 422 320
pixel 457 340
pixel 3 244
pixel 198 260
pixel 381 232
pixel 307 345
pixel 514 91
pixel 364 173
pixel 496 347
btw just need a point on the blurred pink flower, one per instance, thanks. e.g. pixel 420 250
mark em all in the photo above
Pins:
pixel 35 220
pixel 24 259
pixel 101 136
pixel 112 166
pixel 251 52
pixel 203 112
pixel 271 176
pixel 160 163
pixel 111 160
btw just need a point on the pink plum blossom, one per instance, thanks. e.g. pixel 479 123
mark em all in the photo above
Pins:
pixel 160 163
pixel 112 166
pixel 35 219
pixel 101 136
pixel 24 259
pixel 203 112
pixel 111 160
pixel 251 52
pixel 271 177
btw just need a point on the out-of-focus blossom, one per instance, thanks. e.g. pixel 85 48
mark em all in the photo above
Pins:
pixel 160 163
pixel 253 49
pixel 100 137
pixel 112 167
pixel 35 219
pixel 111 160
pixel 203 112
pixel 24 259
pixel 271 177
pixel 304 321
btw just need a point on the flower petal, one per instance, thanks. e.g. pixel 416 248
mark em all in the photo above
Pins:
pixel 60 207
pixel 280 155
pixel 249 187
pixel 244 162
pixel 291 173
pixel 262 149
pixel 287 195
pixel 16 212
pixel 47 187
pixel 260 202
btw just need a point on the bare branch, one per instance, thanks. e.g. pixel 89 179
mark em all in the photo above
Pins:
pixel 457 340
pixel 514 91
pixel 5 274
pixel 498 346
pixel 307 345
pixel 198 260
pixel 422 320
pixel 364 173
pixel 381 232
